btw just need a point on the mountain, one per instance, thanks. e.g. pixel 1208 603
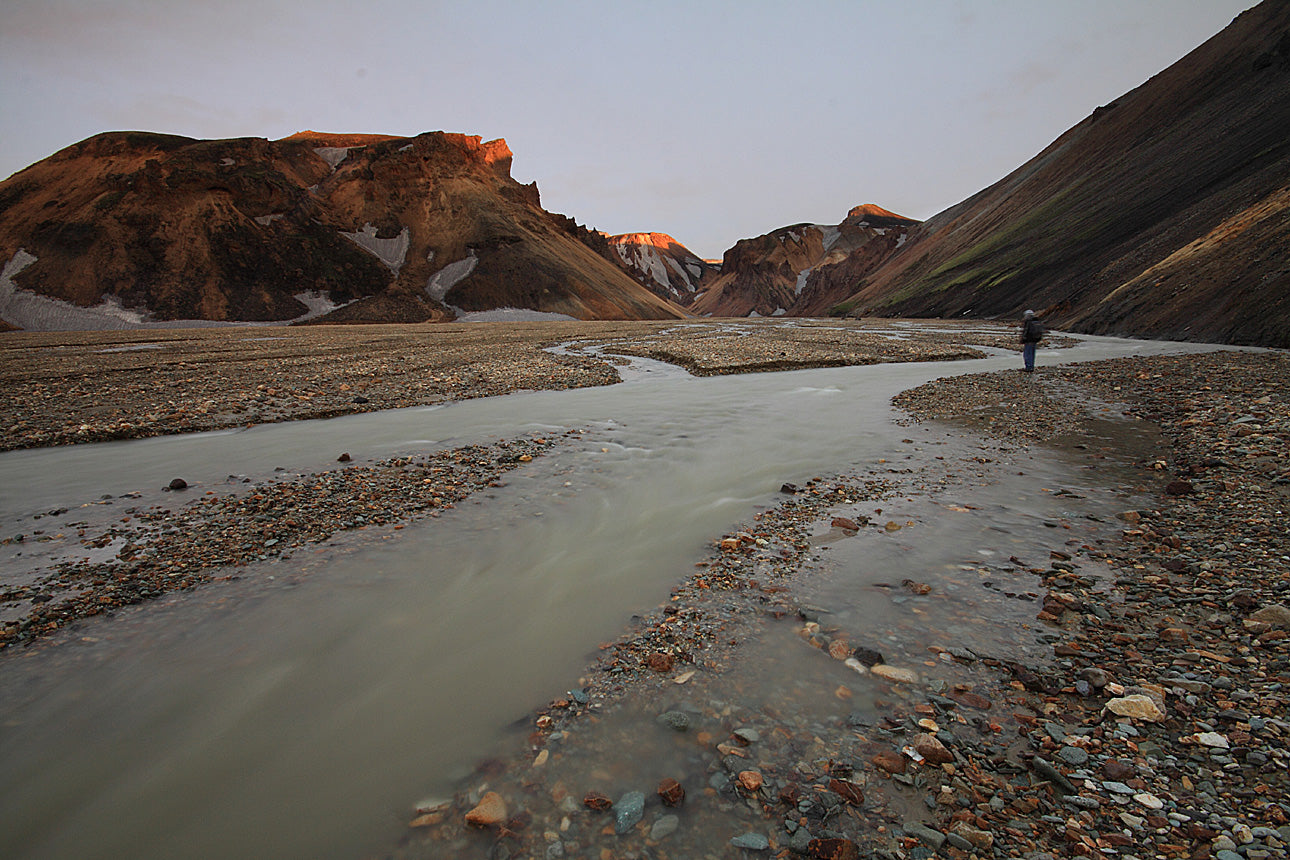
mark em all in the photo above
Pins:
pixel 355 228
pixel 661 264
pixel 804 269
pixel 1166 213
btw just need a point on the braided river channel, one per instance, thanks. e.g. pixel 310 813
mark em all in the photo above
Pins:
pixel 303 709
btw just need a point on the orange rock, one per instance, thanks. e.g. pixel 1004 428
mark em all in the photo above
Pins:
pixel 932 750
pixel 671 792
pixel 491 811
pixel 889 761
pixel 750 780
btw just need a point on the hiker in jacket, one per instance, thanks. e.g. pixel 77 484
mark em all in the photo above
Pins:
pixel 1032 332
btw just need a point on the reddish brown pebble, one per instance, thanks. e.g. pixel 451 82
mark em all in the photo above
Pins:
pixel 597 802
pixel 671 792
pixel 832 849
pixel 971 700
pixel 490 812
pixel 889 761
pixel 750 779
pixel 660 662
pixel 932 750
pixel 848 791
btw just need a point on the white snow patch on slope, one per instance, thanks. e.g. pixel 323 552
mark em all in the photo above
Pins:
pixel 900 240
pixel 391 252
pixel 450 276
pixel 333 155
pixel 266 220
pixel 801 281
pixel 831 236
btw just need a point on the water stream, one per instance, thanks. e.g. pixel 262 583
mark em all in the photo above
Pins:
pixel 301 710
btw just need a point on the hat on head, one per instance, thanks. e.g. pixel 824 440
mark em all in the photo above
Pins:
pixel 1029 314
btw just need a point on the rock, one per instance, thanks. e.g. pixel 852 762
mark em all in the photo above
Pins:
pixel 933 839
pixel 750 780
pixel 839 649
pixel 982 840
pixel 1213 739
pixel 751 842
pixel 660 661
pixel 894 673
pixel 1075 756
pixel 747 735
pixel 671 792
pixel 1138 707
pixel 1117 770
pixel 177 484
pixel 343 458
pixel 931 749
pixel 597 802
pixel 1045 770
pixel 628 811
pixel 676 720
pixel 1096 678
pixel 832 849
pixel 889 761
pixel 1276 615
pixel 867 656
pixel 1180 488
pixel 970 700
pixel 1150 801
pixel 848 791
pixel 490 812
pixel 664 827
pixel 790 489
pixel 846 524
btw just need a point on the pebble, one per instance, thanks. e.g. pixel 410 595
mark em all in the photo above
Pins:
pixel 628 811
pixel 751 842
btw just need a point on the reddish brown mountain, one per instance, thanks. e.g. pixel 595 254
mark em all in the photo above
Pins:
pixel 1165 213
pixel 802 270
pixel 661 264
pixel 390 229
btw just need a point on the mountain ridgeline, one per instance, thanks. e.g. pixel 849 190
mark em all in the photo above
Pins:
pixel 1165 213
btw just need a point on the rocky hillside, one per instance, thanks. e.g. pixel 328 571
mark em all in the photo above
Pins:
pixel 1166 213
pixel 661 264
pixel 802 270
pixel 349 227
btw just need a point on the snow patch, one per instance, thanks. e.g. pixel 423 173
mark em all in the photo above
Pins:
pixel 228 162
pixel 900 240
pixel 779 312
pixel 801 281
pixel 405 148
pixel 266 220
pixel 511 315
pixel 831 236
pixel 391 252
pixel 333 155
pixel 881 231
pixel 449 276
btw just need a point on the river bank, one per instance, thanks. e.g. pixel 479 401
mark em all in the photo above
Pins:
pixel 1136 707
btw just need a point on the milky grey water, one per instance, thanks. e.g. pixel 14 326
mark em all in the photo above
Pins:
pixel 302 710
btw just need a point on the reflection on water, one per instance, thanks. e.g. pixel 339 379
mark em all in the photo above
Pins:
pixel 300 710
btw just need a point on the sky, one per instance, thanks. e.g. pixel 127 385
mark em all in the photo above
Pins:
pixel 711 121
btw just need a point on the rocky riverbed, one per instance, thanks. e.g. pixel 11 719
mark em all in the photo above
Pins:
pixel 1139 710
pixel 59 388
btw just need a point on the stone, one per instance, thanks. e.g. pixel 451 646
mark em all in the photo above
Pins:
pixel 664 827
pixel 846 524
pixel 889 761
pixel 751 842
pixel 1045 770
pixel 489 812
pixel 177 484
pixel 968 699
pixel 676 720
pixel 343 458
pixel 867 656
pixel 597 802
pixel 1150 801
pixel 660 661
pixel 1276 615
pixel 832 849
pixel 933 839
pixel 982 840
pixel 1213 739
pixel 895 674
pixel 628 811
pixel 931 749
pixel 1137 707
pixel 1180 488
pixel 1073 755
pixel 750 780
pixel 671 792
pixel 848 791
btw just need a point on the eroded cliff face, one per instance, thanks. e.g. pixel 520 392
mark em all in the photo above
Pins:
pixel 802 270
pixel 379 228
pixel 661 264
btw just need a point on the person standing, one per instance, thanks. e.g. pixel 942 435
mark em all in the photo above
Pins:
pixel 1032 332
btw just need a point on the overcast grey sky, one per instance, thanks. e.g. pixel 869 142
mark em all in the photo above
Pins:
pixel 712 121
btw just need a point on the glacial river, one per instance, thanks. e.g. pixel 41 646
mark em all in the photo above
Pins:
pixel 303 710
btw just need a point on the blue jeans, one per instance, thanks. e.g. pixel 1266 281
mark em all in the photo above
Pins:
pixel 1028 354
